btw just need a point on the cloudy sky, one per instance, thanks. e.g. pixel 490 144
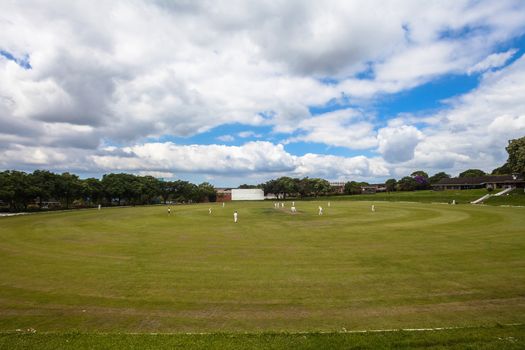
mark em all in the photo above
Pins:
pixel 237 92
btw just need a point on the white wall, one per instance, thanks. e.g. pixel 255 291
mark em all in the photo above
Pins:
pixel 255 194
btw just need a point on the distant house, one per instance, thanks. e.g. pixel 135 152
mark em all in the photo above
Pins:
pixel 373 188
pixel 223 194
pixel 492 181
pixel 338 186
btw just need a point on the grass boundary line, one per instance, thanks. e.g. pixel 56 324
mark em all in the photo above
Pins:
pixel 344 331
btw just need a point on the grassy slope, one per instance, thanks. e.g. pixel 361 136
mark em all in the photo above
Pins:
pixel 461 197
pixel 516 197
pixel 497 338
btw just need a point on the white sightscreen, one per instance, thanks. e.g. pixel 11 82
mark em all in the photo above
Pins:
pixel 255 194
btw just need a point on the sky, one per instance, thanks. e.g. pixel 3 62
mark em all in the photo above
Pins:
pixel 234 92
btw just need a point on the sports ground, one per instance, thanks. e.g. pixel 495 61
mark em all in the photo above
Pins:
pixel 88 277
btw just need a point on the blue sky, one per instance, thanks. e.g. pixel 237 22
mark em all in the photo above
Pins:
pixel 340 89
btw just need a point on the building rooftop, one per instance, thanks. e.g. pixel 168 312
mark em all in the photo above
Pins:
pixel 480 180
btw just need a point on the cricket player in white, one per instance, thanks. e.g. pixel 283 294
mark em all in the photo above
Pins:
pixel 223 204
pixel 99 206
pixel 373 208
pixel 320 210
pixel 293 210
pixel 235 216
pixel 169 210
pixel 209 210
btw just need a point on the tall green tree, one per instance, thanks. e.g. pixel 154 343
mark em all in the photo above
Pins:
pixel 516 151
pixel 502 170
pixel 114 187
pixel 207 192
pixel 92 190
pixel 46 184
pixel 7 189
pixel 150 189
pixel 352 187
pixel 390 185
pixel 419 173
pixel 320 186
pixel 438 177
pixel 407 184
pixel 68 187
pixel 472 173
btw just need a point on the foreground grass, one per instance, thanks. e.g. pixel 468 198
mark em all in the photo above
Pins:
pixel 407 265
pixel 497 338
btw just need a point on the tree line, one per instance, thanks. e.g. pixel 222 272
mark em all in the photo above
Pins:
pixel 305 187
pixel 43 189
pixel 20 190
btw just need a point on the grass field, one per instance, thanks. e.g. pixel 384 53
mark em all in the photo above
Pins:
pixel 408 265
pixel 515 197
pixel 499 337
pixel 426 196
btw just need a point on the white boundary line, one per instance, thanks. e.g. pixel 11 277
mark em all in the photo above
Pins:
pixel 344 331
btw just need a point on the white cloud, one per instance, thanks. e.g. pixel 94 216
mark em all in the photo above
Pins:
pixel 397 144
pixel 253 158
pixel 120 72
pixel 141 69
pixel 246 134
pixel 225 138
pixel 494 60
pixel 157 174
pixel 471 133
pixel 345 128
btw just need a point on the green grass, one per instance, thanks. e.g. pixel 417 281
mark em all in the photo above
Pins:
pixel 497 338
pixel 515 197
pixel 427 196
pixel 408 265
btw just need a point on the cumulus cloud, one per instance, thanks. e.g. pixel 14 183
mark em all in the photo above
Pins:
pixel 225 138
pixel 245 134
pixel 210 159
pixel 494 60
pixel 141 69
pixel 121 72
pixel 397 144
pixel 345 128
pixel 259 157
pixel 471 133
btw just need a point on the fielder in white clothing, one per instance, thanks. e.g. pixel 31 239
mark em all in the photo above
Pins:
pixel 373 207
pixel 293 210
pixel 320 210
pixel 235 215
pixel 209 210
pixel 169 210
